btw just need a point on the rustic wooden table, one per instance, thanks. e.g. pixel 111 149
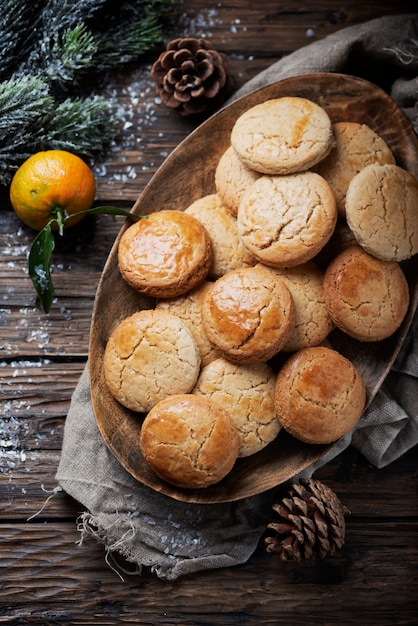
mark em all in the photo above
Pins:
pixel 46 577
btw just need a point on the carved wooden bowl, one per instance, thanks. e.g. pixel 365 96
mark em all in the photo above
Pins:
pixel 186 175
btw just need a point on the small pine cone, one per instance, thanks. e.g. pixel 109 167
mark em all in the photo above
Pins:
pixel 310 523
pixel 191 76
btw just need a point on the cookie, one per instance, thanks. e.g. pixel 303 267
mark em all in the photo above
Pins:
pixel 228 251
pixel 366 298
pixel 283 135
pixel 286 220
pixel 247 393
pixel 232 178
pixel 188 308
pixel 356 146
pixel 189 441
pixel 248 314
pixel 313 322
pixel 150 355
pixel 382 211
pixel 319 395
pixel 165 254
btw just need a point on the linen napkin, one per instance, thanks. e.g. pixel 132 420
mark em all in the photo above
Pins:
pixel 175 538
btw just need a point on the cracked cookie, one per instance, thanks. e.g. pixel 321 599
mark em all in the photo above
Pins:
pixel 382 211
pixel 189 441
pixel 228 251
pixel 319 395
pixel 356 146
pixel 286 220
pixel 232 178
pixel 283 135
pixel 313 322
pixel 366 298
pixel 248 314
pixel 165 254
pixel 246 391
pixel 150 355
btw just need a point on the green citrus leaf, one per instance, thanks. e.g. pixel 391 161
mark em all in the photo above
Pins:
pixel 39 264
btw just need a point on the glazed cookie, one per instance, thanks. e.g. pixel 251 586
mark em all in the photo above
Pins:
pixel 367 298
pixel 286 220
pixel 313 322
pixel 232 178
pixel 356 146
pixel 228 251
pixel 189 441
pixel 150 355
pixel 165 254
pixel 283 135
pixel 382 211
pixel 189 308
pixel 248 314
pixel 247 393
pixel 319 396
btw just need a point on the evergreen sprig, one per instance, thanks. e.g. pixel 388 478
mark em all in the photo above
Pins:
pixel 52 52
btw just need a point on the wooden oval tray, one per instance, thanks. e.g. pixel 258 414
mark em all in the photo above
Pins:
pixel 186 175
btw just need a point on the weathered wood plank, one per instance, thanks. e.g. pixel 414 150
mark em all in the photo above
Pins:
pixel 270 27
pixel 268 590
pixel 76 267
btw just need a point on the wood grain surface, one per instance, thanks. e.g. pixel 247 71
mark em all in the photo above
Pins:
pixel 46 576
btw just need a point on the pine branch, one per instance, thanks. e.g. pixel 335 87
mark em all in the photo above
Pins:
pixel 93 36
pixel 61 58
pixel 32 120
pixel 52 50
pixel 16 22
pixel 60 15
pixel 23 104
pixel 82 125
pixel 128 40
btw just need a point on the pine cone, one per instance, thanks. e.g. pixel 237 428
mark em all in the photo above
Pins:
pixel 191 76
pixel 310 523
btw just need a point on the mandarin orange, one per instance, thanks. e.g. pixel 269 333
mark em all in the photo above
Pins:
pixel 52 184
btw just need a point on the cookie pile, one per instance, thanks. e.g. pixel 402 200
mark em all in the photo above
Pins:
pixel 304 232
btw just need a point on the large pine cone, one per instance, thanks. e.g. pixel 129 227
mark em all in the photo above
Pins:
pixel 191 76
pixel 310 523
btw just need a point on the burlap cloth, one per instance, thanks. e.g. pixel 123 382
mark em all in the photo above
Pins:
pixel 175 538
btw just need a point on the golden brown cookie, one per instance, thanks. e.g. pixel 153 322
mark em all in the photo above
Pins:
pixel 356 146
pixel 367 298
pixel 150 355
pixel 189 308
pixel 313 322
pixel 319 396
pixel 228 251
pixel 246 391
pixel 248 314
pixel 286 220
pixel 232 178
pixel 189 441
pixel 165 254
pixel 382 211
pixel 283 135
